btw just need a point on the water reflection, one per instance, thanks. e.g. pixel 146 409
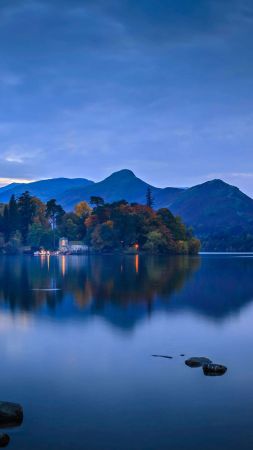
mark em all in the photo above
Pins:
pixel 122 289
pixel 86 348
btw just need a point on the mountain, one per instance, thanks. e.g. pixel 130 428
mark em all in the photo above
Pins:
pixel 220 214
pixel 165 197
pixel 120 185
pixel 10 186
pixel 44 189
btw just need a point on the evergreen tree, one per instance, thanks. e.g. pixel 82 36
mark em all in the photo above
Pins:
pixel 97 201
pixel 26 209
pixel 149 198
pixel 6 224
pixel 54 213
pixel 13 215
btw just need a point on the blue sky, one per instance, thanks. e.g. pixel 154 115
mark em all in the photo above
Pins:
pixel 162 87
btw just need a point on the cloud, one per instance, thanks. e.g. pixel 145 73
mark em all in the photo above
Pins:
pixel 14 159
pixel 226 175
pixel 161 86
pixel 6 181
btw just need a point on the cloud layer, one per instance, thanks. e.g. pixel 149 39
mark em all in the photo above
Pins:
pixel 161 87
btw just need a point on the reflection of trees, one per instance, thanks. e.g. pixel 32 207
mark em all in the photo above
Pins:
pixel 121 289
pixel 18 278
pixel 118 282
pixel 97 281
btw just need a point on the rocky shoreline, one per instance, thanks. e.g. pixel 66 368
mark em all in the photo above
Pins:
pixel 11 415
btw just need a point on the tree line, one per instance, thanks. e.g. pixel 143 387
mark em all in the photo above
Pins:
pixel 104 227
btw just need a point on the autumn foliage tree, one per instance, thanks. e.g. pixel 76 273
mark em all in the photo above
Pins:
pixel 120 225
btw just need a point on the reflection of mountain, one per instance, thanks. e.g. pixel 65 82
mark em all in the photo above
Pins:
pixel 221 288
pixel 122 290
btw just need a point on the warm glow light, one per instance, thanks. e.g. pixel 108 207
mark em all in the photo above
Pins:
pixel 63 265
pixel 6 181
pixel 137 263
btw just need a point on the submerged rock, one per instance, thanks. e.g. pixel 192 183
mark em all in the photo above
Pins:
pixel 4 440
pixel 11 414
pixel 163 356
pixel 214 369
pixel 197 361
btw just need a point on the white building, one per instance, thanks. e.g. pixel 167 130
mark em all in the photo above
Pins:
pixel 66 246
pixel 78 247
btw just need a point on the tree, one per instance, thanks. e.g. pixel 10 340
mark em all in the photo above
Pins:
pixel 54 213
pixel 26 208
pixel 194 246
pixel 155 242
pixel 104 237
pixel 40 212
pixel 71 226
pixel 83 210
pixel 40 237
pixel 97 201
pixel 149 198
pixel 13 215
pixel 6 224
pixel 175 225
pixel 35 234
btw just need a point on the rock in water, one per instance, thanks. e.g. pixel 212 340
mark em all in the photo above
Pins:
pixel 213 370
pixel 4 440
pixel 197 361
pixel 11 414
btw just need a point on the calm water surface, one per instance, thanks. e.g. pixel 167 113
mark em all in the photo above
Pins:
pixel 79 358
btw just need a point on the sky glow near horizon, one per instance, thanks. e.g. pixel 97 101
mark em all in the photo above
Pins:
pixel 161 87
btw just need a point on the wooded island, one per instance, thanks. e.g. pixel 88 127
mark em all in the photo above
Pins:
pixel 28 223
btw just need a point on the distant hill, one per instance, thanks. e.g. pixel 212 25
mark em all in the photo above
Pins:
pixel 220 214
pixel 44 189
pixel 10 186
pixel 120 185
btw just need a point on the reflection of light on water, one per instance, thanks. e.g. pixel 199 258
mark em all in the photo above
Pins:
pixel 46 289
pixel 63 265
pixel 42 260
pixel 136 263
pixel 48 262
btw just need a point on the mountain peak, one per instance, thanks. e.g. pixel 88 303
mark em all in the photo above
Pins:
pixel 123 173
pixel 217 182
pixel 213 185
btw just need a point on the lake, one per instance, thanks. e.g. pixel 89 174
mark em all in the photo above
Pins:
pixel 77 336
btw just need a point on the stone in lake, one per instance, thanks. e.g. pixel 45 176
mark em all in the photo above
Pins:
pixel 197 361
pixel 213 370
pixel 11 414
pixel 4 440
